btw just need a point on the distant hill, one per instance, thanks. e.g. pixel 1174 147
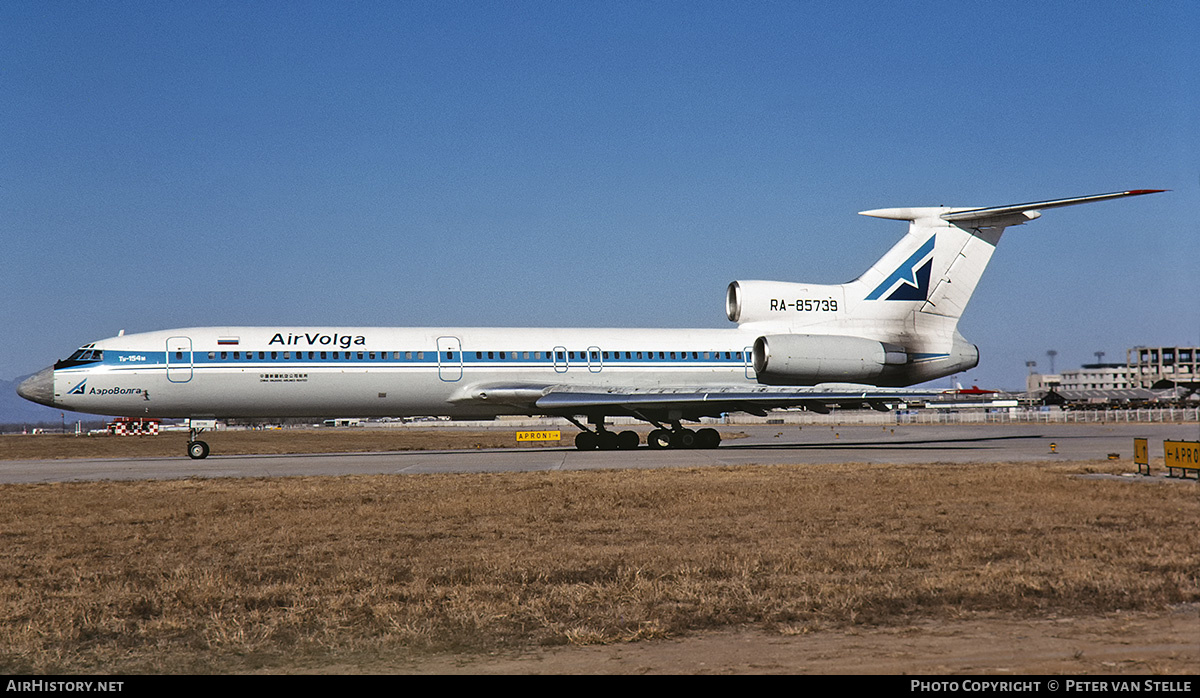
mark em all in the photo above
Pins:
pixel 16 410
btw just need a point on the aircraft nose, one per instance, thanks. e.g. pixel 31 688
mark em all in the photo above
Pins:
pixel 39 387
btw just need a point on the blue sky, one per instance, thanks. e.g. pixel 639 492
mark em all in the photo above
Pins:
pixel 586 163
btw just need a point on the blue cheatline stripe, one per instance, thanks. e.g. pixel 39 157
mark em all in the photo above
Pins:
pixel 906 272
pixel 383 359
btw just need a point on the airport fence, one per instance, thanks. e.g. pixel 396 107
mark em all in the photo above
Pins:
pixel 976 416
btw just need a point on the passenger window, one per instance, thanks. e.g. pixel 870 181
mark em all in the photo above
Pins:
pixel 408 355
pixel 421 355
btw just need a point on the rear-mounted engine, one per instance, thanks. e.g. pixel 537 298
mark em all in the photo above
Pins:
pixel 805 359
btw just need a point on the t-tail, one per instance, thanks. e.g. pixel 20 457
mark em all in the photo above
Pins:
pixel 905 308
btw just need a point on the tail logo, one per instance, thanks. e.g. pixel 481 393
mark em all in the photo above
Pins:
pixel 910 281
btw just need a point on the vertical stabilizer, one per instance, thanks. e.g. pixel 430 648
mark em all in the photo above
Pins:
pixel 935 268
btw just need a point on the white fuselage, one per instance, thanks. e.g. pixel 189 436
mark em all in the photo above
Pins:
pixel 373 371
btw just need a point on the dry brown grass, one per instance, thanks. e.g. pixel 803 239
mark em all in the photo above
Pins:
pixel 228 575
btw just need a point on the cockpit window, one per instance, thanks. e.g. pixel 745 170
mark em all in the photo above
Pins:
pixel 86 355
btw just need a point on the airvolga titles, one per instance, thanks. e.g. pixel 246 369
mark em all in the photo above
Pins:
pixel 315 339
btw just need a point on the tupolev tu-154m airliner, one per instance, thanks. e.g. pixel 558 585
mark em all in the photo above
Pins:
pixel 795 344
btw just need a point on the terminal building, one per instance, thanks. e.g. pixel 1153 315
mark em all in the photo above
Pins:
pixel 1151 367
pixel 1149 374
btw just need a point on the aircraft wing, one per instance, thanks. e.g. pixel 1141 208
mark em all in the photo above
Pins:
pixel 672 404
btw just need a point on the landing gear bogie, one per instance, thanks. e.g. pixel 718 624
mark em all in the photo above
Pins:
pixel 684 438
pixel 606 440
pixel 677 437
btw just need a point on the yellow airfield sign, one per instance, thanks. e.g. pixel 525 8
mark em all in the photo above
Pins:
pixel 539 436
pixel 1183 456
pixel 1141 452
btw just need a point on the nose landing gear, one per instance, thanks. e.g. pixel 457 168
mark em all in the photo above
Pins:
pixel 197 449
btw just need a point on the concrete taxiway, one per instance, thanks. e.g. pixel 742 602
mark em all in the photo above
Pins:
pixel 764 445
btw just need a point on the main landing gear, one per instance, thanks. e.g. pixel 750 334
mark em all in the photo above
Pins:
pixel 606 440
pixel 684 438
pixel 677 437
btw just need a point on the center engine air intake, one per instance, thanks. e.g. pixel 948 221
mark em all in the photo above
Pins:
pixel 758 301
pixel 806 359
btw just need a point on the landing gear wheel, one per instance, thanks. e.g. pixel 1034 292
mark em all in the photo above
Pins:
pixel 659 438
pixel 586 441
pixel 197 450
pixel 607 441
pixel 628 440
pixel 708 438
pixel 683 438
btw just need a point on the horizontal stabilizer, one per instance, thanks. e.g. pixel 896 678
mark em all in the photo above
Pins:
pixel 1014 214
pixel 975 214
